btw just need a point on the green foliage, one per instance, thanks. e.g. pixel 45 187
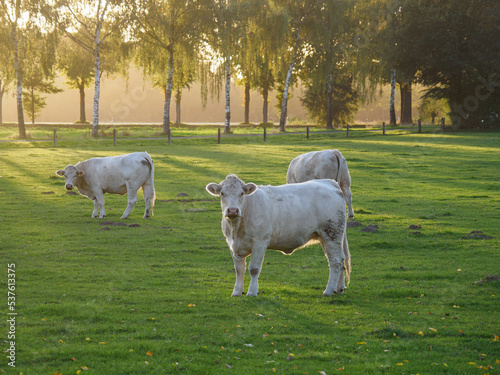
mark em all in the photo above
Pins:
pixel 156 298
pixel 432 109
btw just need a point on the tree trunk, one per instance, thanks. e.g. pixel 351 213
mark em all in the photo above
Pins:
pixel 178 96
pixel 265 105
pixel 392 108
pixel 168 98
pixel 329 106
pixel 406 117
pixel 81 88
pixel 284 103
pixel 247 103
pixel 19 85
pixel 227 122
pixel 97 88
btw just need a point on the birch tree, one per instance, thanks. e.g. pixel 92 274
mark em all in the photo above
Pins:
pixel 167 29
pixel 298 13
pixel 392 107
pixel 16 16
pixel 224 37
pixel 98 21
pixel 327 69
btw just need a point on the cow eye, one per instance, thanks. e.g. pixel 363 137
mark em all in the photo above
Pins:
pixel 221 194
pixel 241 194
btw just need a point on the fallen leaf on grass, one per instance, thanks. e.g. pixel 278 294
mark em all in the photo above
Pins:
pixel 361 343
pixel 421 333
pixel 248 345
pixel 191 305
pixel 149 353
pixel 433 329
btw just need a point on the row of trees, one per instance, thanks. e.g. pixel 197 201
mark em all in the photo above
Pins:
pixel 340 50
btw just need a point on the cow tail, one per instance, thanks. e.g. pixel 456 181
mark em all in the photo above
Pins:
pixel 341 163
pixel 347 259
pixel 151 180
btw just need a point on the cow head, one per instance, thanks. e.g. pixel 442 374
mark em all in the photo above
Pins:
pixel 232 192
pixel 70 174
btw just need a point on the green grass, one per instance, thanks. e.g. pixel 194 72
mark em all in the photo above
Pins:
pixel 98 301
pixel 75 132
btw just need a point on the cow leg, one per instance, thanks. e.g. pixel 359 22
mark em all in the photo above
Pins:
pixel 335 255
pixel 148 191
pixel 239 266
pixel 132 199
pixel 99 201
pixel 348 200
pixel 95 213
pixel 254 268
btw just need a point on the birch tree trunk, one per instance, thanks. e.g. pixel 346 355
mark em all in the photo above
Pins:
pixel 19 84
pixel 227 122
pixel 392 109
pixel 97 87
pixel 168 99
pixel 284 103
pixel 329 109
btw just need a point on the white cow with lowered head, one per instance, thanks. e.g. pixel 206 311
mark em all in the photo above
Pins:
pixel 284 218
pixel 322 164
pixel 123 174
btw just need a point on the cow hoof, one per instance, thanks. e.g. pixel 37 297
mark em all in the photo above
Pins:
pixel 236 295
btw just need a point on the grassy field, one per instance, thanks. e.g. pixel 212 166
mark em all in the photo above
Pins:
pixel 156 298
pixel 72 132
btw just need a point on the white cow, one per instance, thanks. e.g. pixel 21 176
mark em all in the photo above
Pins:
pixel 322 164
pixel 284 218
pixel 116 175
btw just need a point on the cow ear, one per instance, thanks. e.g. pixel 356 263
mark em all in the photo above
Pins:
pixel 250 188
pixel 213 189
pixel 79 173
pixel 60 172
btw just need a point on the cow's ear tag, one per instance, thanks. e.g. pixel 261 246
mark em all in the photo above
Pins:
pixel 79 174
pixel 60 172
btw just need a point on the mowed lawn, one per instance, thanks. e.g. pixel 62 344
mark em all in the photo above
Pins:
pixel 156 298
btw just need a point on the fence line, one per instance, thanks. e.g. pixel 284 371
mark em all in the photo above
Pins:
pixel 219 135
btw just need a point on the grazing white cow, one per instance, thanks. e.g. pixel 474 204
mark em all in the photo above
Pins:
pixel 319 165
pixel 116 175
pixel 284 218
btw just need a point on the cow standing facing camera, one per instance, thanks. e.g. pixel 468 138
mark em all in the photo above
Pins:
pixel 284 218
pixel 123 174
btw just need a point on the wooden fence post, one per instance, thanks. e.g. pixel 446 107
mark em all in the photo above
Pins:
pixel 169 134
pixel 55 138
pixel 419 126
pixel 307 131
pixel 218 135
pixel 114 137
pixel 347 132
pixel 383 128
pixel 442 124
pixel 265 135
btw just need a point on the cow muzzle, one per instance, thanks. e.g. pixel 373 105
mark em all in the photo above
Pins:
pixel 69 187
pixel 232 213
